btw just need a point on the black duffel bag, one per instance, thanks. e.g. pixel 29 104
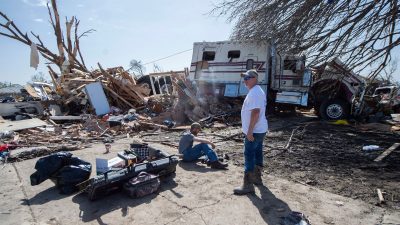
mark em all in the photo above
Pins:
pixel 48 166
pixel 70 175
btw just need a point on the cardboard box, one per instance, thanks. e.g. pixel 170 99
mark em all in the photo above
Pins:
pixel 129 158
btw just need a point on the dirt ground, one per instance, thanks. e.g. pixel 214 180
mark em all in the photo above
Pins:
pixel 330 157
pixel 324 174
pixel 323 155
pixel 195 195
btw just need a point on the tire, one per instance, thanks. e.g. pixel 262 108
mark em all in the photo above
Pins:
pixel 334 109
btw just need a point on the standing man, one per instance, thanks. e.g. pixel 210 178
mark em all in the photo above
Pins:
pixel 192 153
pixel 254 126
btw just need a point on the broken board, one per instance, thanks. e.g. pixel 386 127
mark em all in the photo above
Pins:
pixel 387 152
pixel 21 124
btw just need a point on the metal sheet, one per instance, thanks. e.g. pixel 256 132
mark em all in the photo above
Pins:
pixel 21 124
pixel 97 98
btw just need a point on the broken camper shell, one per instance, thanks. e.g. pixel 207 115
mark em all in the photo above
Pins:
pixel 216 69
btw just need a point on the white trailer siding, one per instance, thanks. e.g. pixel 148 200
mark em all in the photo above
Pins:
pixel 216 69
pixel 211 64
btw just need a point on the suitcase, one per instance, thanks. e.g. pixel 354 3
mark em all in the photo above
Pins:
pixel 142 185
pixel 111 181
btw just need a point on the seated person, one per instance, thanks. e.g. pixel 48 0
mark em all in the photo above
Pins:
pixel 192 153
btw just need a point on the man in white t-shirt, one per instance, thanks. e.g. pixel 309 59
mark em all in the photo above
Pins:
pixel 254 126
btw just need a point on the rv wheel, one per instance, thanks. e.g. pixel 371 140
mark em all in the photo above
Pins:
pixel 334 109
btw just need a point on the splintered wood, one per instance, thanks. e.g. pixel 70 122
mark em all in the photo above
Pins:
pixel 119 86
pixel 387 152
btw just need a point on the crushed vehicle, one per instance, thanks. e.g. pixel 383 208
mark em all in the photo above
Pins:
pixel 26 100
pixel 389 97
pixel 333 90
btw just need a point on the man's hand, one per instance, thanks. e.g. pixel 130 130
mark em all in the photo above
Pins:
pixel 212 145
pixel 250 137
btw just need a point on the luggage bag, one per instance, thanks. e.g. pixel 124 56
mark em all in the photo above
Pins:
pixel 142 185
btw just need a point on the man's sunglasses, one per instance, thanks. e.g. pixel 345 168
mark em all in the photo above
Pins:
pixel 247 78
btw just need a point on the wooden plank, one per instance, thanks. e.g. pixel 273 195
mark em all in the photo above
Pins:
pixel 83 80
pixel 65 118
pixel 153 124
pixel 387 152
pixel 167 73
pixel 121 86
pixel 70 99
pixel 53 76
pixel 380 196
pixel 119 97
pixel 31 91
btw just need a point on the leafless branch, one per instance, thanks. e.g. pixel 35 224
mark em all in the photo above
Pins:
pixel 70 47
pixel 363 33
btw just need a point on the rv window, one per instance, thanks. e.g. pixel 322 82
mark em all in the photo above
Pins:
pixel 249 64
pixel 208 56
pixel 289 65
pixel 233 54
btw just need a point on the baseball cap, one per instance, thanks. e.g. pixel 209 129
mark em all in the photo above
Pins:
pixel 249 74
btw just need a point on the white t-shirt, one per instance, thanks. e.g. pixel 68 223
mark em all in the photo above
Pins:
pixel 255 99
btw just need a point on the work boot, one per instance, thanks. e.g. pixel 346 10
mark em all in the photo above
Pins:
pixel 218 165
pixel 257 179
pixel 247 186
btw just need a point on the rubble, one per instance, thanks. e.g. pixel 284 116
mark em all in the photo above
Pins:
pixel 82 107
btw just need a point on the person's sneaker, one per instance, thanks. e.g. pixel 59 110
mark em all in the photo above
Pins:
pixel 218 165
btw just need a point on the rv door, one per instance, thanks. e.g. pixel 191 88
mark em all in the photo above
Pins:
pixel 206 55
pixel 250 63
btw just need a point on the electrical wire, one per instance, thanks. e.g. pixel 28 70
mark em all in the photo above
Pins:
pixel 167 57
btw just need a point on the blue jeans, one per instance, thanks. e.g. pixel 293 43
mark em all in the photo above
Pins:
pixel 194 153
pixel 253 154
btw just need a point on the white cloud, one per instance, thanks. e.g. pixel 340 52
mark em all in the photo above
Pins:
pixel 39 20
pixel 40 3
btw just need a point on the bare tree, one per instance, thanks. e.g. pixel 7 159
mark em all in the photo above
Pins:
pixel 137 67
pixel 388 72
pixel 5 84
pixel 363 33
pixel 68 45
pixel 40 77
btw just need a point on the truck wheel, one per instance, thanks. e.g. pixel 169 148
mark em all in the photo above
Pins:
pixel 334 109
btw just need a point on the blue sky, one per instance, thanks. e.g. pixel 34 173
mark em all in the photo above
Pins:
pixel 125 30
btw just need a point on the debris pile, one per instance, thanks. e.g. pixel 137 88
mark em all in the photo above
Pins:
pixel 120 87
